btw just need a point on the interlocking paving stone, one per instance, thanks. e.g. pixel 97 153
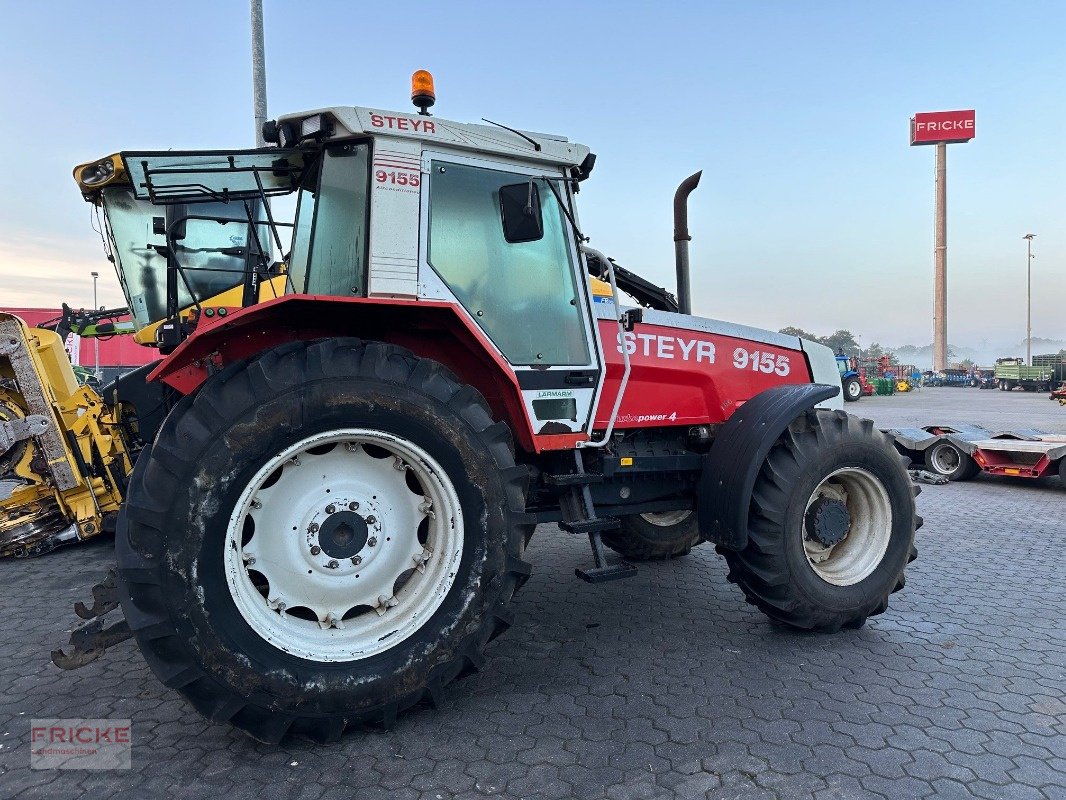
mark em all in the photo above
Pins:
pixel 664 686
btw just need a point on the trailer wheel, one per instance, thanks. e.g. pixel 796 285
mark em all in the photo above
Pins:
pixel 322 536
pixel 946 459
pixel 654 537
pixel 1062 471
pixel 852 389
pixel 832 525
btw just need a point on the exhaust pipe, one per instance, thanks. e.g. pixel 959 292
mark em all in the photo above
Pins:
pixel 681 240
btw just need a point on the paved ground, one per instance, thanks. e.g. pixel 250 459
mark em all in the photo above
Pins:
pixel 663 686
pixel 989 408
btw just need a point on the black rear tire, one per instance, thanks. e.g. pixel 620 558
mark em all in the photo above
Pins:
pixel 852 389
pixel 944 458
pixel 170 539
pixel 774 570
pixel 654 537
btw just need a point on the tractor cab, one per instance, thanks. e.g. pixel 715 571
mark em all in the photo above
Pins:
pixel 359 203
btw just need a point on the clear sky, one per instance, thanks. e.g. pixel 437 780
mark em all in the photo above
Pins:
pixel 813 210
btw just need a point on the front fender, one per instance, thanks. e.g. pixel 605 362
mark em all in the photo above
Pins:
pixel 733 463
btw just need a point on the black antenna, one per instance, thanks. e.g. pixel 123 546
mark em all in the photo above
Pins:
pixel 530 139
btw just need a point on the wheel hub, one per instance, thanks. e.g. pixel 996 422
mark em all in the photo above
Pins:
pixel 847 526
pixel 343 534
pixel 828 521
pixel 946 459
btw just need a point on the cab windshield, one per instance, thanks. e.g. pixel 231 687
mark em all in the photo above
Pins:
pixel 214 256
pixel 191 226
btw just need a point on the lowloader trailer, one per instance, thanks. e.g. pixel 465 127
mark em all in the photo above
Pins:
pixel 960 453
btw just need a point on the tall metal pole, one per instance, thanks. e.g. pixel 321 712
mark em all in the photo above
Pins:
pixel 96 341
pixel 259 90
pixel 940 262
pixel 1029 298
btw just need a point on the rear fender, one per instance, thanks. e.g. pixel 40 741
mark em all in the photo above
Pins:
pixel 430 329
pixel 739 450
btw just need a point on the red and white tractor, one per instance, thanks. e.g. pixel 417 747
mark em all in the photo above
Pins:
pixel 328 524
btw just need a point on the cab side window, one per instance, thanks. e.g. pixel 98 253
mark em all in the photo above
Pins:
pixel 522 294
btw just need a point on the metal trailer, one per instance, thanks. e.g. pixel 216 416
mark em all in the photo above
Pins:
pixel 959 453
pixel 1012 373
pixel 1022 454
pixel 1056 362
pixel 930 446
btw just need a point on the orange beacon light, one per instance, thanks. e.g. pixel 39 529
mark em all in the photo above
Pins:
pixel 422 93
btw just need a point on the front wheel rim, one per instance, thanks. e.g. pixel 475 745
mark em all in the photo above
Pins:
pixel 344 545
pixel 864 544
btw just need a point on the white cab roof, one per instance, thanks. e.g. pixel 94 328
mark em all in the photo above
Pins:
pixel 356 120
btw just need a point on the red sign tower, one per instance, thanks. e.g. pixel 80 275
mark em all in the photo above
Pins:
pixel 941 128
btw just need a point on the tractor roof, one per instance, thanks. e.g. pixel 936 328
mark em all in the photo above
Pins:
pixel 343 121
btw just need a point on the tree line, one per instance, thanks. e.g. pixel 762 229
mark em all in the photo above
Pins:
pixel 845 340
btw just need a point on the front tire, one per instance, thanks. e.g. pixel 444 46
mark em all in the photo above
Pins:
pixel 944 458
pixel 654 537
pixel 832 525
pixel 852 389
pixel 322 536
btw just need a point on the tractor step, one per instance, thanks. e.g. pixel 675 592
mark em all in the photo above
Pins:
pixel 573 479
pixel 579 516
pixel 589 526
pixel 609 572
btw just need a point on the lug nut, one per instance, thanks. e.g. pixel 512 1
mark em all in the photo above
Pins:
pixel 250 561
pixel 371 520
pixel 256 504
pixel 330 508
pixel 357 560
pixel 372 541
pixel 315 550
pixel 353 506
pixel 333 564
pixel 312 528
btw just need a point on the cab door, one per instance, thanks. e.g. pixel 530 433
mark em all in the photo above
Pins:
pixel 527 293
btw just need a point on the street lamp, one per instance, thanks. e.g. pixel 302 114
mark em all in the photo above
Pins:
pixel 1029 298
pixel 96 341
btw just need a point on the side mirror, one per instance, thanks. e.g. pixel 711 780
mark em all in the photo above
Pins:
pixel 520 207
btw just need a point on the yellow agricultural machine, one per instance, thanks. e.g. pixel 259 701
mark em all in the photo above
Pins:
pixel 64 452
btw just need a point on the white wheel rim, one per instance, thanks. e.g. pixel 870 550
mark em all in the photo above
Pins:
pixel 858 554
pixel 946 459
pixel 664 519
pixel 296 580
pixel 854 388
